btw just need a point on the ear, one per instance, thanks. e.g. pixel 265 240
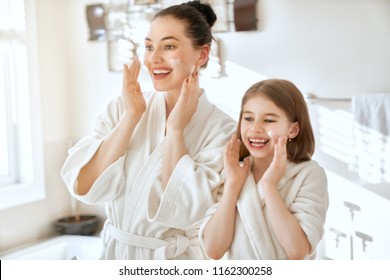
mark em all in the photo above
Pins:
pixel 203 55
pixel 294 130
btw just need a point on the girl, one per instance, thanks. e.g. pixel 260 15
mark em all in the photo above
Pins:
pixel 155 158
pixel 274 202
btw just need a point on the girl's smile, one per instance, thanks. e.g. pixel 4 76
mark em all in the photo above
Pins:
pixel 262 124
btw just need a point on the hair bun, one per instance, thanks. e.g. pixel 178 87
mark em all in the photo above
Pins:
pixel 206 10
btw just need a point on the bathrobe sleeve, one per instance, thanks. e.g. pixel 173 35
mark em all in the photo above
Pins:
pixel 311 204
pixel 194 183
pixel 110 182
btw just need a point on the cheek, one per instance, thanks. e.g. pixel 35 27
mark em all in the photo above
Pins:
pixel 243 130
pixel 276 132
pixel 177 64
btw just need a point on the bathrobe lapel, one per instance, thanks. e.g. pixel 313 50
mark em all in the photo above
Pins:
pixel 250 209
pixel 151 170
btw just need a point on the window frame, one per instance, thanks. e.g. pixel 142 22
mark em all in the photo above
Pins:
pixel 30 184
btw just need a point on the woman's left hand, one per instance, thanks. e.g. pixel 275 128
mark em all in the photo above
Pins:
pixel 278 165
pixel 187 104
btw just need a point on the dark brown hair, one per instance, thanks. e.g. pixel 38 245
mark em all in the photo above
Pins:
pixel 285 95
pixel 199 18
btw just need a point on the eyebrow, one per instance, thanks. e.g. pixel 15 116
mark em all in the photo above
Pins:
pixel 164 38
pixel 266 114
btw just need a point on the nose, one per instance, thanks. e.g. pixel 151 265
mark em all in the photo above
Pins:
pixel 257 127
pixel 154 56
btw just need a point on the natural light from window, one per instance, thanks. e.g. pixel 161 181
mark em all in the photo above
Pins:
pixel 21 158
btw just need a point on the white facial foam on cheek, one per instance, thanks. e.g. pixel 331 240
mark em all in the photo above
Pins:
pixel 176 64
pixel 271 134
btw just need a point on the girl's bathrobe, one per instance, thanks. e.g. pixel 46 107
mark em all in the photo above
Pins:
pixel 304 191
pixel 143 221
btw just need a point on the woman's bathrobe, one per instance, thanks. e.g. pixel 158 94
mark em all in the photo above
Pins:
pixel 304 191
pixel 143 221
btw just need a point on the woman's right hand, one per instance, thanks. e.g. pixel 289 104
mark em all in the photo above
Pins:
pixel 134 102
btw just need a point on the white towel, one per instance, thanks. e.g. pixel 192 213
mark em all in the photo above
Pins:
pixel 371 113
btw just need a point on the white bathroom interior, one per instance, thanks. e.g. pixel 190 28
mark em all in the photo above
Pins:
pixel 336 51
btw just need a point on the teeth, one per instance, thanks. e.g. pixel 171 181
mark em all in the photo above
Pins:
pixel 258 140
pixel 161 71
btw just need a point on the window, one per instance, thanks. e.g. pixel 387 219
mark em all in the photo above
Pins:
pixel 21 161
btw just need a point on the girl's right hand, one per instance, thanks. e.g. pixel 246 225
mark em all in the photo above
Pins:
pixel 236 173
pixel 134 102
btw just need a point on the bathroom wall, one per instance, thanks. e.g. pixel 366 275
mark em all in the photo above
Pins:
pixel 331 48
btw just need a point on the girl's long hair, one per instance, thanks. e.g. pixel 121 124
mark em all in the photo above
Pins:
pixel 287 97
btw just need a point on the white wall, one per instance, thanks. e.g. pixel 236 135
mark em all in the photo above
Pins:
pixel 333 47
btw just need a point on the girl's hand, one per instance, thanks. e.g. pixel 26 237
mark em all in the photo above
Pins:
pixel 236 174
pixel 278 165
pixel 187 104
pixel 134 102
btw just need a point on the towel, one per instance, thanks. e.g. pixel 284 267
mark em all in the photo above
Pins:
pixel 371 114
pixel 373 111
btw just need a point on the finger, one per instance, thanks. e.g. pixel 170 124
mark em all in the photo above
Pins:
pixel 184 91
pixel 227 150
pixel 134 70
pixel 138 88
pixel 125 77
pixel 280 148
pixel 236 147
pixel 246 164
pixel 193 89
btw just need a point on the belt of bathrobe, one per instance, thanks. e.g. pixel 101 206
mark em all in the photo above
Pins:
pixel 165 249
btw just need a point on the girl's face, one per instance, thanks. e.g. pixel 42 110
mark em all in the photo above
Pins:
pixel 262 124
pixel 169 54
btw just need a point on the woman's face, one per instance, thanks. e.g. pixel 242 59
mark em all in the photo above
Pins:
pixel 262 124
pixel 169 54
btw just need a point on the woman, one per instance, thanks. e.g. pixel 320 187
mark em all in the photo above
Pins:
pixel 155 158
pixel 274 203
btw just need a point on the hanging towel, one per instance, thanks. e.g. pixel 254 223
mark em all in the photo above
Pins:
pixel 373 111
pixel 371 114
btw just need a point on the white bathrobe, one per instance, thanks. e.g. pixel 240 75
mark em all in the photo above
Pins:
pixel 144 222
pixel 304 191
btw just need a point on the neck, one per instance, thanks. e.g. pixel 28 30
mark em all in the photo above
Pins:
pixel 171 98
pixel 259 167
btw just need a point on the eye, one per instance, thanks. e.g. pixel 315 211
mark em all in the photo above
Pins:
pixel 148 48
pixel 248 119
pixel 269 120
pixel 169 47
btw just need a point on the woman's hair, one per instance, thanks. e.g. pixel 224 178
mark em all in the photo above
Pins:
pixel 287 97
pixel 199 18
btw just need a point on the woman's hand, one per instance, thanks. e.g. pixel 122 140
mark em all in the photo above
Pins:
pixel 236 173
pixel 134 102
pixel 187 104
pixel 278 165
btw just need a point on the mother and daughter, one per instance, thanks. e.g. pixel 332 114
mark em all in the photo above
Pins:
pixel 174 185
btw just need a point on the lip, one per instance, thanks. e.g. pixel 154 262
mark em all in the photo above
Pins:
pixel 257 143
pixel 160 72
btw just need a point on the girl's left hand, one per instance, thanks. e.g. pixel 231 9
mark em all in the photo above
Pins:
pixel 277 168
pixel 187 104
